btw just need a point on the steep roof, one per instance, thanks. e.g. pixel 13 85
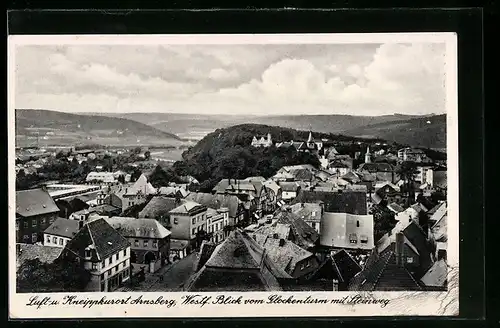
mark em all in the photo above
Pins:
pixel 437 275
pixel 105 240
pixel 301 233
pixel 307 211
pixel 272 185
pixel 382 273
pixel 216 201
pixel 46 254
pixel 159 206
pixel 238 264
pixel 353 202
pixel 395 207
pixel 132 227
pixel 285 255
pixel 63 228
pixel 34 202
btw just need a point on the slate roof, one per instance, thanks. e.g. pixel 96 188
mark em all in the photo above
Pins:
pixel 351 177
pixel 238 264
pixel 307 211
pixel 353 202
pixel 206 251
pixel 217 201
pixel 440 229
pixel 46 254
pixel 34 202
pixel 159 206
pixel 395 207
pixel 382 273
pixel 336 229
pixel 144 228
pixel 177 244
pixel 63 228
pixel 301 233
pixel 285 256
pixel 105 240
pixel 437 275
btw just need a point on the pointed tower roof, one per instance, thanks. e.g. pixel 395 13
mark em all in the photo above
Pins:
pixel 310 139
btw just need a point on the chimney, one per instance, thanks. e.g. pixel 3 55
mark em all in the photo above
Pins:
pixel 282 242
pixel 335 285
pixel 400 240
pixel 80 224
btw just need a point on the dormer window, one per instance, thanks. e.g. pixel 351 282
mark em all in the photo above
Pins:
pixel 87 253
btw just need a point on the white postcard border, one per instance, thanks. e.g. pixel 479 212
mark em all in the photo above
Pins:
pixel 400 304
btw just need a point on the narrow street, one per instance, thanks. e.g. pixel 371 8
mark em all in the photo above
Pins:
pixel 174 275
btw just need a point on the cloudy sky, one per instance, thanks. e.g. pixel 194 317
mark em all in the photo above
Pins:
pixel 356 79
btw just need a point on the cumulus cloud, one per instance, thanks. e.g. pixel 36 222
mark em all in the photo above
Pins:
pixel 288 79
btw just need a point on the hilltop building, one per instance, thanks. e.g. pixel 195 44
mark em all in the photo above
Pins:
pixel 262 142
pixel 368 155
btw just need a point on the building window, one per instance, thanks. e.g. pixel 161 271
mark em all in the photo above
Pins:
pixel 117 255
pixel 103 285
pixel 155 243
pixel 145 243
pixel 308 264
pixel 102 276
pixel 193 232
pixel 176 221
pixel 194 220
pixel 48 239
pixel 109 272
pixel 136 243
pixel 103 263
pixel 87 253
pixel 110 260
pixel 353 239
pixel 54 240
pixel 33 223
pixel 357 224
pixel 409 260
pixel 116 268
pixel 33 238
pixel 26 238
pixel 94 266
pixel 43 221
pixel 25 224
pixel 51 220
pixel 125 252
pixel 61 242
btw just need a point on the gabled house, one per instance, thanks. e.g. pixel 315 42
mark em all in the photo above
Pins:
pixel 35 212
pixel 274 194
pixel 290 258
pixel 159 208
pixel 149 241
pixel 235 206
pixel 100 249
pixel 287 225
pixel 414 247
pixel 250 191
pixel 187 220
pixel 59 233
pixel 238 264
pixel 289 190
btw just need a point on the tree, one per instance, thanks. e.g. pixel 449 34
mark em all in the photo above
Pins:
pixel 147 155
pixel 36 277
pixel 60 155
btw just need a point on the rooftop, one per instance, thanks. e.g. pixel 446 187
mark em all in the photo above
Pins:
pixel 34 202
pixel 63 228
pixel 132 227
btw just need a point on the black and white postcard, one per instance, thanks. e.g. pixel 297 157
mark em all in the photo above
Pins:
pixel 233 175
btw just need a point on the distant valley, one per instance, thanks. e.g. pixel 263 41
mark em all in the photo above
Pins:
pixel 404 129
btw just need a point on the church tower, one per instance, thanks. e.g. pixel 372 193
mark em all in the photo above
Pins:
pixel 368 155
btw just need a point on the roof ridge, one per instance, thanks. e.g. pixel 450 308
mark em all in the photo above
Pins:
pixel 92 238
pixel 382 270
